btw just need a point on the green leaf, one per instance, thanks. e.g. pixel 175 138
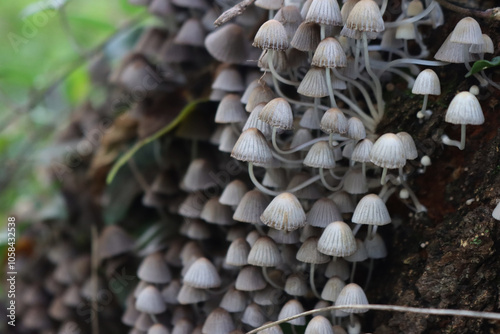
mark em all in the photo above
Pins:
pixel 77 85
pixel 482 65
pixel 166 129
pixel 92 23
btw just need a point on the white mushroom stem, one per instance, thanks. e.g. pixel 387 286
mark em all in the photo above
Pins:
pixel 353 271
pixel 418 206
pixel 333 103
pixel 311 281
pixel 153 317
pixel 269 280
pixel 270 192
pixel 327 186
pixel 424 104
pixel 384 174
pixel 275 74
pixel 406 61
pixel 376 81
pixel 479 78
pixel 304 145
pixel 412 19
pixel 450 142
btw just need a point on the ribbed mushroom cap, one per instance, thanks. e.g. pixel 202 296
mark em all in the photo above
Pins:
pixel 409 145
pixel 233 301
pixel 284 237
pixel 251 207
pixel 230 110
pixel 253 121
pixel 264 253
pixel 388 152
pixel 346 8
pixel 307 37
pixel 277 113
pixel 143 323
pixel 334 121
pixel 365 16
pixel 308 252
pixel 323 212
pixel 252 146
pixel 216 213
pixel 319 324
pixel 250 279
pixel 338 267
pixel 406 31
pixel 275 178
pixel 114 241
pixel 352 294
pixel 284 213
pixel 279 59
pixel 371 210
pixel 360 254
pixel 229 79
pixel 271 330
pixel 332 288
pixel 291 308
pixel 344 201
pixel 300 137
pixel 355 129
pixel 193 204
pixel 197 176
pixel 158 329
pixel 190 295
pixel 154 269
pixel 310 119
pixel 252 237
pixel 415 7
pixel 227 44
pixel 314 83
pixel 361 152
pixel 337 240
pixel 202 274
pixel 260 94
pixel 310 231
pixel 464 109
pixel 329 53
pixel 219 321
pixel 195 229
pixel 150 301
pixel 325 12
pixel 191 33
pixel 467 31
pixel 355 182
pixel 290 17
pixel 427 82
pixel 451 52
pixel 233 193
pixel 271 35
pixel 375 247
pixel 320 155
pixel 268 296
pixel 296 285
pixel 253 315
pixel 182 326
pixel 269 4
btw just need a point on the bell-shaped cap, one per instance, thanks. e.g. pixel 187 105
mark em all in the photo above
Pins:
pixel 337 240
pixel 323 212
pixel 264 253
pixel 114 241
pixel 202 274
pixel 251 207
pixel 237 253
pixel 360 254
pixel 253 121
pixel 233 193
pixel 314 83
pixel 464 109
pixel 355 129
pixel 365 16
pixel 338 267
pixel 352 294
pixel 271 36
pixel 334 121
pixel 329 53
pixel 252 146
pixel 361 152
pixel 371 210
pixel 427 83
pixel 467 31
pixel 320 155
pixel 307 37
pixel 291 308
pixel 198 176
pixel 308 252
pixel 230 110
pixel 325 12
pixel 409 145
pixel 234 301
pixel 277 113
pixel 154 269
pixel 219 321
pixel 150 301
pixel 190 295
pixel 319 324
pixel 227 44
pixel 284 213
pixel 253 315
pixel 375 247
pixel 216 213
pixel 250 279
pixel 296 285
pixel 388 152
pixel 332 289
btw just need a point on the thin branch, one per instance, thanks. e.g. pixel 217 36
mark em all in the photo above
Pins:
pixel 492 13
pixel 232 12
pixel 396 308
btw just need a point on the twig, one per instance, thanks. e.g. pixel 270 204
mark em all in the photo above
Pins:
pixel 491 13
pixel 433 311
pixel 232 12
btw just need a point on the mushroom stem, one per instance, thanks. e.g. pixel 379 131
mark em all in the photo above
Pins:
pixel 327 186
pixel 384 174
pixel 376 81
pixel 311 281
pixel 424 104
pixel 257 183
pixel 330 88
pixel 154 318
pixel 412 19
pixel 268 279
pixel 462 137
pixel 301 146
pixel 275 74
pixel 353 271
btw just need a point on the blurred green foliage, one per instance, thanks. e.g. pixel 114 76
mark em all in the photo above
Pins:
pixel 43 47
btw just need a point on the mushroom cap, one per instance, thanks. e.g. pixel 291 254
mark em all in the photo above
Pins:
pixel 409 145
pixel 202 274
pixel 319 324
pixel 467 31
pixel 323 212
pixel 427 82
pixel 334 121
pixel 252 146
pixel 253 315
pixel 307 37
pixel 329 53
pixel 251 207
pixel 355 129
pixel 337 240
pixel 233 301
pixel 326 12
pixel 264 253
pixel 320 155
pixel 250 279
pixel 291 308
pixel 332 289
pixel 277 113
pixel 361 152
pixel 150 301
pixel 388 152
pixel 219 321
pixel 352 294
pixel 271 36
pixel 464 109
pixel 314 83
pixel 375 247
pixel 227 44
pixel 154 269
pixel 253 121
pixel 233 193
pixel 230 110
pixel 360 254
pixel 284 213
pixel 371 210
pixel 365 16
pixel 308 252
pixel 237 253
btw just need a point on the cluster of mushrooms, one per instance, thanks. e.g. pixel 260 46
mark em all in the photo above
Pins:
pixel 299 96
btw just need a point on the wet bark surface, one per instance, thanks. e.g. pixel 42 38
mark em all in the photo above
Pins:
pixel 447 257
